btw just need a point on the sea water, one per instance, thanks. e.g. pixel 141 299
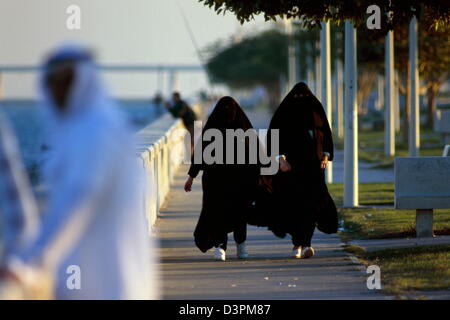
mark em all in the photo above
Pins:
pixel 26 120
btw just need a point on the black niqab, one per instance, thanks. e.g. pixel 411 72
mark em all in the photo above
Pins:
pixel 301 194
pixel 228 189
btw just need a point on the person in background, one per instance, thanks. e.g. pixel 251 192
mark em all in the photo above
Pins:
pixel 157 99
pixel 157 102
pixel 300 198
pixel 228 189
pixel 180 109
pixel 94 220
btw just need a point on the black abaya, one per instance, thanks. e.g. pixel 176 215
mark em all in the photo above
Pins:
pixel 228 189
pixel 300 198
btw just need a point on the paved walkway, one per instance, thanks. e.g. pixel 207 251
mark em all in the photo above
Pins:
pixel 269 273
pixel 366 171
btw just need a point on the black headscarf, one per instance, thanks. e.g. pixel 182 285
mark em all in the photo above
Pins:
pixel 227 114
pixel 297 105
pixel 300 194
pixel 299 112
pixel 228 189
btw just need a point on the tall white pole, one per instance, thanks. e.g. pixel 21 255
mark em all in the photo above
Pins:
pixel 397 102
pixel 389 119
pixel 414 125
pixel 351 119
pixel 325 61
pixel 338 104
pixel 339 91
pixel 318 73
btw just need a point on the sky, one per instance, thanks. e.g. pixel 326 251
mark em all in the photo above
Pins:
pixel 120 32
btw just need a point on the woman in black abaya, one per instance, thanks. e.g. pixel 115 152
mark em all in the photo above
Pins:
pixel 300 196
pixel 228 189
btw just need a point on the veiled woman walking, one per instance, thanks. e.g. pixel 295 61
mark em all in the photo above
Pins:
pixel 300 199
pixel 228 189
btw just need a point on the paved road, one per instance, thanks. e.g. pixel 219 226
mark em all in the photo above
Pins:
pixel 365 170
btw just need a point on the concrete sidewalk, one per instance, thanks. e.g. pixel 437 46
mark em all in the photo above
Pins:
pixel 268 274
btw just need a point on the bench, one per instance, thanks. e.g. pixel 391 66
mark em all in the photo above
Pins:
pixel 423 184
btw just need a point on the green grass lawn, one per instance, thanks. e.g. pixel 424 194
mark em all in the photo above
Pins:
pixel 371 146
pixel 369 193
pixel 410 269
pixel 381 222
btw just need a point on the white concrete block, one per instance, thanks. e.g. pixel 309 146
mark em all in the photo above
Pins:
pixel 422 182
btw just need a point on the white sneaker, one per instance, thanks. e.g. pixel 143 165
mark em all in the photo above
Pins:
pixel 307 252
pixel 219 254
pixel 297 253
pixel 241 250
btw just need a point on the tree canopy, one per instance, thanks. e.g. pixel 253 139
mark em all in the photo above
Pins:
pixel 434 59
pixel 431 13
pixel 256 60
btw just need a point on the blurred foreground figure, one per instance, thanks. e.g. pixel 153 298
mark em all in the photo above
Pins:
pixel 94 232
pixel 19 222
pixel 18 209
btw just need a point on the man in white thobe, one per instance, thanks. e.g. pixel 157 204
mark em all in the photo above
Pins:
pixel 94 233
